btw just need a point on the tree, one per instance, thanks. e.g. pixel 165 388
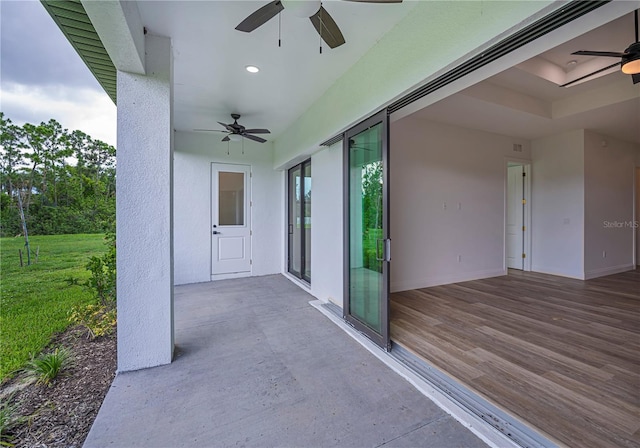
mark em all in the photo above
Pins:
pixel 41 182
pixel 11 140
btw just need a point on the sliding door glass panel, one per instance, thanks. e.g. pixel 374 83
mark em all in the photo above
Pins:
pixel 366 229
pixel 307 221
pixel 295 222
pixel 230 199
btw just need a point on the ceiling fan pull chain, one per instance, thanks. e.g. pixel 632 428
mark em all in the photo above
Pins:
pixel 320 16
pixel 279 29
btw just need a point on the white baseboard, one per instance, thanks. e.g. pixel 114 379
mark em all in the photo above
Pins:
pixel 558 271
pixel 595 273
pixel 427 282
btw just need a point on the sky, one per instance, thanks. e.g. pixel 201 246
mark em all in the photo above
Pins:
pixel 42 76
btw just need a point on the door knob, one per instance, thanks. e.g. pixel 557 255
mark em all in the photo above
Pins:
pixel 215 232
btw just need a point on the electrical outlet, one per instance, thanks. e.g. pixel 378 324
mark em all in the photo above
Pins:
pixel 459 258
pixel 444 206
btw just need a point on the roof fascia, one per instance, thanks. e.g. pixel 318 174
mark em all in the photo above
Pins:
pixel 119 26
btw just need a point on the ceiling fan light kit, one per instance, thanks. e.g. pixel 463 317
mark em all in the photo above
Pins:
pixel 631 64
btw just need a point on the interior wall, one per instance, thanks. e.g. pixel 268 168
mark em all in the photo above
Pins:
pixel 194 153
pixel 609 166
pixel 637 221
pixel 447 203
pixel 557 198
pixel 327 234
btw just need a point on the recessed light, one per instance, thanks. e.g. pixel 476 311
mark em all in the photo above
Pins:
pixel 572 63
pixel 252 69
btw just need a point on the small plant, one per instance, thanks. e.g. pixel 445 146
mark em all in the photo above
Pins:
pixel 99 320
pixel 8 419
pixel 45 368
pixel 103 273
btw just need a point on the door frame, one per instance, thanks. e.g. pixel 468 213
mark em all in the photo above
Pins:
pixel 248 219
pixel 384 338
pixel 303 243
pixel 526 219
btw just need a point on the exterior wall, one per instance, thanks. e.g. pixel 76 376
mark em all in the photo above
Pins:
pixel 432 165
pixel 327 230
pixel 192 213
pixel 144 227
pixel 609 183
pixel 557 201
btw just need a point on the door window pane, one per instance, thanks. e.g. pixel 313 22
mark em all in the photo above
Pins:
pixel 230 199
pixel 366 226
pixel 295 232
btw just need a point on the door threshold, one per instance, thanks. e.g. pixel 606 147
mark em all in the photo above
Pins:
pixel 492 425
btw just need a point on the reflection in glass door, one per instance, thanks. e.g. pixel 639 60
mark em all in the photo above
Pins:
pixel 299 221
pixel 367 242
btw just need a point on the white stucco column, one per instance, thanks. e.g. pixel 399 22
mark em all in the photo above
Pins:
pixel 144 210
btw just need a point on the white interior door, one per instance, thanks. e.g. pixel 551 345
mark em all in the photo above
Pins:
pixel 515 217
pixel 230 219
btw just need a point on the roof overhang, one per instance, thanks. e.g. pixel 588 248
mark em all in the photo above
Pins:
pixel 73 21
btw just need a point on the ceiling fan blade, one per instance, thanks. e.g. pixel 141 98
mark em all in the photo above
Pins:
pixel 636 78
pixel 327 28
pixel 226 126
pixel 609 54
pixel 257 131
pixel 261 16
pixel 590 74
pixel 225 139
pixel 254 138
pixel 208 130
pixel 375 1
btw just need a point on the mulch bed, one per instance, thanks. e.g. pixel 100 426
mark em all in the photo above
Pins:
pixel 61 414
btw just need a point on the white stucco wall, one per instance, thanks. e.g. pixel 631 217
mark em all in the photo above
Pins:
pixel 434 166
pixel 194 153
pixel 609 193
pixel 144 228
pixel 327 230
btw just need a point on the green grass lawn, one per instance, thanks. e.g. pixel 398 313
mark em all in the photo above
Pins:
pixel 35 300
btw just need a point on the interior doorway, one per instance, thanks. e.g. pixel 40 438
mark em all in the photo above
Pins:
pixel 517 221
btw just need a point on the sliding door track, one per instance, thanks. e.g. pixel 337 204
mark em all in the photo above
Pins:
pixel 511 427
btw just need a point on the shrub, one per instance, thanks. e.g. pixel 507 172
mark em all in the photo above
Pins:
pixel 99 320
pixel 103 274
pixel 47 367
pixel 8 419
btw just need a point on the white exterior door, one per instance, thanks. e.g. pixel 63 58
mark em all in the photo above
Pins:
pixel 230 219
pixel 515 217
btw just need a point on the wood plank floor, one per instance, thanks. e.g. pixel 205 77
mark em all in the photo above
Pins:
pixel 561 354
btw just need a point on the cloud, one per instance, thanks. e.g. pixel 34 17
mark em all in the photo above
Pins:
pixel 34 50
pixel 82 108
pixel 42 76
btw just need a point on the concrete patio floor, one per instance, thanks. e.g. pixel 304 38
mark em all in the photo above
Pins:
pixel 256 365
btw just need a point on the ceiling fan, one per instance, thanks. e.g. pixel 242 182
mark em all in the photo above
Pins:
pixel 235 129
pixel 313 9
pixel 629 59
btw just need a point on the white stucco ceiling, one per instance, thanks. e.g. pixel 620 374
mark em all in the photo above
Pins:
pixel 210 58
pixel 522 102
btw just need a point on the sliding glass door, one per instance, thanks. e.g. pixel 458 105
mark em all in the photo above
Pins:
pixel 367 244
pixel 299 221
